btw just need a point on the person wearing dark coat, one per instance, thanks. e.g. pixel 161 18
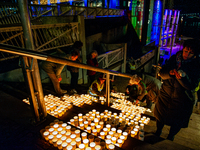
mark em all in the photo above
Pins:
pixel 92 61
pixel 180 75
pixel 145 88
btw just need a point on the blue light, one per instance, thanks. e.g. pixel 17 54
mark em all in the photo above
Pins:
pixel 156 23
pixel 48 2
pixel 106 4
pixel 112 4
pixel 85 3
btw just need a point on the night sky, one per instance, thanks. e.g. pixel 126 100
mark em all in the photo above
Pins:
pixel 187 6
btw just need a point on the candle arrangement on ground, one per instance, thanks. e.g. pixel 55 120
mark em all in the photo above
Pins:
pixel 111 127
pixel 65 136
pixel 57 106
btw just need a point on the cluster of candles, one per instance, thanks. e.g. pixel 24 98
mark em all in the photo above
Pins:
pixel 110 126
pixel 130 107
pixel 118 95
pixel 66 137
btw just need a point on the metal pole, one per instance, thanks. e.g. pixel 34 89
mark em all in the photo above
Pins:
pixel 25 19
pixel 108 89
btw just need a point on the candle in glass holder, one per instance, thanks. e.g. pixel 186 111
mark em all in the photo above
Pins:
pixel 56 121
pixel 108 142
pixel 84 135
pixel 88 129
pixel 58 136
pixel 68 129
pixel 111 147
pixel 105 130
pixel 102 115
pixel 45 135
pixel 88 148
pixel 111 133
pixel 105 118
pixel 92 145
pixel 63 132
pixel 82 146
pixel 133 133
pixel 96 121
pixel 119 141
pixel 68 134
pixel 78 141
pixel 80 116
pixel 73 144
pixel 80 121
pixel 89 121
pixel 84 118
pixel 81 126
pixel 64 125
pixel 59 144
pixel 116 135
pixel 72 121
pixel 98 127
pixel 113 130
pixel 125 134
pixel 64 145
pixel 51 130
pixel 92 126
pixel 86 142
pixel 97 147
pixel 55 126
pixel 102 135
pixel 97 141
pixel 122 138
pixel 69 141
pixel 77 132
pixel 63 138
pixel 108 137
pixel 75 118
pixel 69 147
pixel 108 126
pixel 94 131
pixel 54 141
pixel 85 124
pixel 73 130
pixel 119 132
pixel 73 137
pixel 59 129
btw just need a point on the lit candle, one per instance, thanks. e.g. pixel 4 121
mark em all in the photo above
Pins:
pixel 111 147
pixel 72 121
pixel 108 126
pixel 75 118
pixel 78 141
pixel 113 130
pixel 105 130
pixel 80 116
pixel 69 147
pixel 77 132
pixel 85 124
pixel 119 141
pixel 45 135
pixel 101 123
pixel 82 146
pixel 68 134
pixel 59 144
pixel 97 147
pixel 122 138
pixel 92 125
pixel 92 145
pixel 84 135
pixel 111 133
pixel 119 132
pixel 51 130
pixel 68 128
pixel 55 126
pixel 88 129
pixel 81 126
pixel 108 137
pixel 96 121
pixel 59 129
pixel 86 142
pixel 73 144
pixel 125 134
pixel 63 132
pixel 102 135
pixel 69 141
pixel 58 136
pixel 94 131
pixel 64 125
pixel 98 128
pixel 73 137
pixel 64 145
pixel 54 141
pixel 88 148
pixel 63 138
pixel 108 142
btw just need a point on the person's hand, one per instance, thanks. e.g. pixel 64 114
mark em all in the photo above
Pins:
pixel 174 72
pixel 59 79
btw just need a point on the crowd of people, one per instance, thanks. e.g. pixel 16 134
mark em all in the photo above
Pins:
pixel 174 97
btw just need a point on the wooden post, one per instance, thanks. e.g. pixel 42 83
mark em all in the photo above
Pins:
pixel 123 70
pixel 81 22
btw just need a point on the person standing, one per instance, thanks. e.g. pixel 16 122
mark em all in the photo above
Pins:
pixel 74 71
pixel 92 61
pixel 181 76
pixel 54 70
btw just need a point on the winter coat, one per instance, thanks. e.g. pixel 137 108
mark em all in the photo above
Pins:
pixel 176 98
pixel 92 62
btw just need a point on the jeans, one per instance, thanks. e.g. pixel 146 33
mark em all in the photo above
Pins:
pixel 56 83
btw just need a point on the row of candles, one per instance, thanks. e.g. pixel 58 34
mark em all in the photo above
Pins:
pixel 66 137
pixel 105 124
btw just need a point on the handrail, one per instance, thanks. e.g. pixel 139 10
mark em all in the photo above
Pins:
pixel 41 56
